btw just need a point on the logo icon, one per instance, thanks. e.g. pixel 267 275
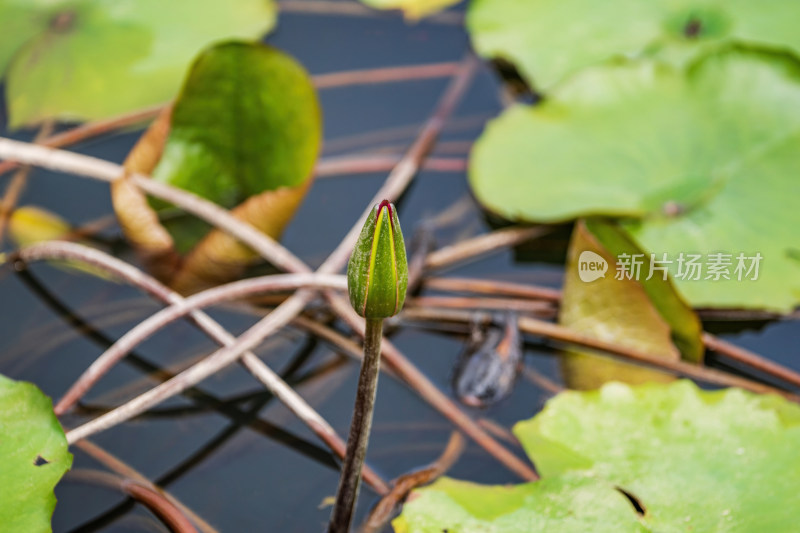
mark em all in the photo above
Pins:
pixel 591 266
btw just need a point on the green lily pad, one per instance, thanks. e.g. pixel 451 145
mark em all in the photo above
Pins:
pixel 573 503
pixel 33 455
pixel 551 40
pixel 244 133
pixel 81 59
pixel 604 300
pixel 699 161
pixel 691 460
pixel 695 460
pixel 413 9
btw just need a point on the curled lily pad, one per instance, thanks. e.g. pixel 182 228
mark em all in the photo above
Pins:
pixel 605 300
pixel 549 40
pixel 699 160
pixel 81 59
pixel 33 457
pixel 244 133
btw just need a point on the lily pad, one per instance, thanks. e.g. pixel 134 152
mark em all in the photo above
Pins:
pixel 690 460
pixel 31 224
pixel 551 40
pixel 81 59
pixel 699 160
pixel 244 133
pixel 33 455
pixel 603 299
pixel 695 460
pixel 573 503
pixel 413 9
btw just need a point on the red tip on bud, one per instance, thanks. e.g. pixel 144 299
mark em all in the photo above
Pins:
pixel 387 205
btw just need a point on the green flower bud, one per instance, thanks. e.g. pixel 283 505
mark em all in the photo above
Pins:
pixel 377 274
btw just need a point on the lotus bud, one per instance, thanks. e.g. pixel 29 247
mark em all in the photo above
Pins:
pixel 377 274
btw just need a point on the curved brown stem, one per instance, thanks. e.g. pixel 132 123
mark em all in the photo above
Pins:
pixel 382 512
pixel 488 286
pixel 336 166
pixel 751 359
pixel 148 496
pixel 120 467
pixel 482 244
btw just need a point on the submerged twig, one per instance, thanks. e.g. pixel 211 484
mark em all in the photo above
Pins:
pixel 542 381
pixel 535 307
pixel 335 166
pixel 403 485
pixel 120 467
pixel 482 244
pixel 164 509
pixel 555 332
pixel 402 173
pixel 188 306
pixel 90 129
pixel 751 359
pixel 386 74
pixel 495 288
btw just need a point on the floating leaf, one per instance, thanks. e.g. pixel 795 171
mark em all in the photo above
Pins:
pixel 566 504
pixel 33 457
pixel 551 40
pixel 695 460
pixel 691 460
pixel 602 302
pixel 413 9
pixel 700 161
pixel 244 133
pixel 80 59
pixel 31 224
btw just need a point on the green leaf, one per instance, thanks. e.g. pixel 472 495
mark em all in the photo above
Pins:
pixel 244 133
pixel 646 315
pixel 31 224
pixel 567 504
pixel 33 457
pixel 701 161
pixel 246 121
pixel 551 40
pixel 413 9
pixel 722 461
pixel 695 460
pixel 81 59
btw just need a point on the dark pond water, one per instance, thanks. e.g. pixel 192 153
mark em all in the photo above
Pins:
pixel 228 450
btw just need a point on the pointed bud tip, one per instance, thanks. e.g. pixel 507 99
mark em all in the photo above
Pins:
pixel 385 203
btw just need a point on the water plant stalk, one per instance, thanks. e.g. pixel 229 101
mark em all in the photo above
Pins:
pixel 377 279
pixel 357 441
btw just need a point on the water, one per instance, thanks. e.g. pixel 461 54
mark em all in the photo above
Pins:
pixel 228 450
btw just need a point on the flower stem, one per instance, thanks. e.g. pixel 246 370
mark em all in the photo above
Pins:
pixel 359 429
